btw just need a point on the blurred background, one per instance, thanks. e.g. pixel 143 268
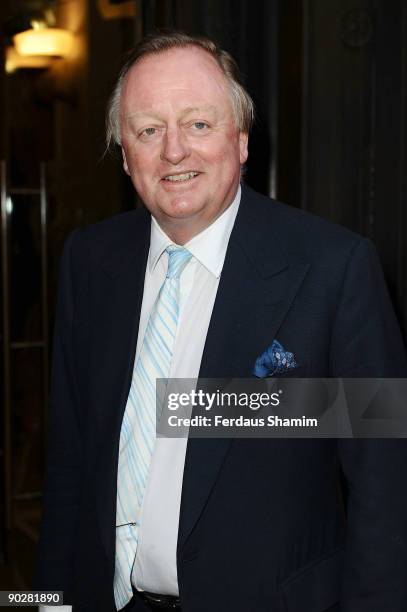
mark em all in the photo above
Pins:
pixel 329 79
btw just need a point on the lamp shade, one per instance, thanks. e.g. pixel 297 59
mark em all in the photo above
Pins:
pixel 14 61
pixel 43 41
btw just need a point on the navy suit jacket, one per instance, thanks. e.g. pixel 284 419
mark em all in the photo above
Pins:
pixel 263 523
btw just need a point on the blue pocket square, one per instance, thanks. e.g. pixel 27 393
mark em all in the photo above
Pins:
pixel 274 360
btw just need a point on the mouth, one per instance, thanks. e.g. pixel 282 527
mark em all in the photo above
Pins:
pixel 181 178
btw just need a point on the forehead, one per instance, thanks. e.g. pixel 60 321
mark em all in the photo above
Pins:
pixel 188 77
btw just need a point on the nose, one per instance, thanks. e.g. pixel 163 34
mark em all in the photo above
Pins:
pixel 175 148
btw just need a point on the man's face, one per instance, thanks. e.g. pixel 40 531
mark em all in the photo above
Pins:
pixel 180 143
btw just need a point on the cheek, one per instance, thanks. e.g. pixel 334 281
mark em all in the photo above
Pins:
pixel 142 168
pixel 218 153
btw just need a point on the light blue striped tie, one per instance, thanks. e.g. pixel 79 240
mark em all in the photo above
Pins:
pixel 138 432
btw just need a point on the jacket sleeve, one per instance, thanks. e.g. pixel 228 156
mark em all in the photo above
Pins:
pixel 63 473
pixel 366 340
pixel 366 343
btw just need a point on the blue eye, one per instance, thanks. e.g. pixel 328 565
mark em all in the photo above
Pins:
pixel 200 125
pixel 149 131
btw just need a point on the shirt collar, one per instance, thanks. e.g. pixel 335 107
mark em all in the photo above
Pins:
pixel 208 247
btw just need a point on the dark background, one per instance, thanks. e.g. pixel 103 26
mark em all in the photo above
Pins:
pixel 329 82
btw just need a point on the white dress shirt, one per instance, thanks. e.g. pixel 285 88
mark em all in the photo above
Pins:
pixel 155 567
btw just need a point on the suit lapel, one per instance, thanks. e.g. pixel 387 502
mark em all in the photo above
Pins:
pixel 257 287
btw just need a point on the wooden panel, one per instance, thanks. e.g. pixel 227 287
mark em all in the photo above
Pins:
pixel 336 125
pixel 290 100
pixel 354 103
pixel 389 163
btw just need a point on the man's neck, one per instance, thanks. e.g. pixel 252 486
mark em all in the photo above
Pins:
pixel 182 231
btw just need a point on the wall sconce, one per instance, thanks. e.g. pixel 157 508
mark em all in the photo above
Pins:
pixel 43 41
pixel 14 61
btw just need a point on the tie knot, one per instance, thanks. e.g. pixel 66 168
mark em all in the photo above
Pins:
pixel 178 257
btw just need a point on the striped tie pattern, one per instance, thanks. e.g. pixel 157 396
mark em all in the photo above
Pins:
pixel 138 432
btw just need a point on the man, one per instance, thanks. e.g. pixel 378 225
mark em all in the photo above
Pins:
pixel 202 282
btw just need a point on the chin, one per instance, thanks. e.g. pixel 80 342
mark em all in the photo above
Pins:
pixel 182 208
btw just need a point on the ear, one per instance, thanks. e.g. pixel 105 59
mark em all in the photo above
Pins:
pixel 243 144
pixel 125 164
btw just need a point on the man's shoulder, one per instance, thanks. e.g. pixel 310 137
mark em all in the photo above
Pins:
pixel 114 234
pixel 298 233
pixel 118 227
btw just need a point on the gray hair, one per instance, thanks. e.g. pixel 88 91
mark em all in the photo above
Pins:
pixel 158 43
